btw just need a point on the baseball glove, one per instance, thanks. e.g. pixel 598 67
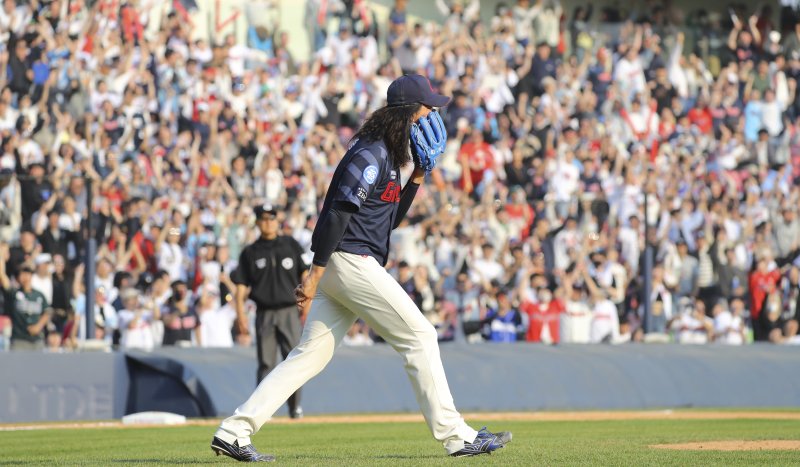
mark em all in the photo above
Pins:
pixel 428 140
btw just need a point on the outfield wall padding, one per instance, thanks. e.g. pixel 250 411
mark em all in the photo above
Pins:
pixel 46 387
pixel 487 377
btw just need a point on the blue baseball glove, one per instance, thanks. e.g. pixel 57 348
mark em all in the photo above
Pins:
pixel 428 140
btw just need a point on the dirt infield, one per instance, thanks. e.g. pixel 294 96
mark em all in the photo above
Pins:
pixel 521 416
pixel 741 445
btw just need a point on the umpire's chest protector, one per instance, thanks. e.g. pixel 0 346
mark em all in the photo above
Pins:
pixel 273 270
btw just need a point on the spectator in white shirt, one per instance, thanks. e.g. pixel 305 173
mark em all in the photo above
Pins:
pixel 240 54
pixel 577 319
pixel 611 275
pixel 728 324
pixel 8 116
pixel 341 46
pixel 105 316
pixel 605 320
pixel 216 322
pixel 524 14
pixel 629 73
pixel 42 279
pixel 565 242
pixel 693 326
pixel 136 322
pixel 487 268
pixel 629 243
pixel 772 114
pixel 13 18
pixel 70 219
pixel 565 181
pixel 170 255
pixel 357 335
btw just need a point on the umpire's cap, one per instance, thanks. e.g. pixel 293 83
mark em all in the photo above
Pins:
pixel 262 209
pixel 414 89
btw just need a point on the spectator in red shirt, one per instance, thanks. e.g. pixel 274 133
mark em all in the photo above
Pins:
pixel 544 314
pixel 700 116
pixel 146 244
pixel 476 159
pixel 762 281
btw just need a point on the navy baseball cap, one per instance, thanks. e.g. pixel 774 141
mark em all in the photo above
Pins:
pixel 414 89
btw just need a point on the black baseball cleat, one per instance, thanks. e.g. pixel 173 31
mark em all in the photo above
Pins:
pixel 484 443
pixel 240 453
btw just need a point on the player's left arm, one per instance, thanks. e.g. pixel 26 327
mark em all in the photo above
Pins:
pixel 408 194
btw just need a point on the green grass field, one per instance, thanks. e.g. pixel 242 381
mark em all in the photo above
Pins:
pixel 545 443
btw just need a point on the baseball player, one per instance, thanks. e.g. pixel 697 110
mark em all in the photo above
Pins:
pixel 347 279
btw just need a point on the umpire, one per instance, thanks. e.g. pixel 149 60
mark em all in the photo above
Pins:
pixel 271 268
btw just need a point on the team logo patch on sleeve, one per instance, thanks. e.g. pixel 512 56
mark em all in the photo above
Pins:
pixel 361 193
pixel 371 174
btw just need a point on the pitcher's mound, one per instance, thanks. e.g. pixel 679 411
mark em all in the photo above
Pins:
pixel 762 445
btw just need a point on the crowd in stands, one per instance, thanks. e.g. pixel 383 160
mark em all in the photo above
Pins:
pixel 532 228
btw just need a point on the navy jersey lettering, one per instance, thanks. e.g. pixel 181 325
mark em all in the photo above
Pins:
pixel 365 179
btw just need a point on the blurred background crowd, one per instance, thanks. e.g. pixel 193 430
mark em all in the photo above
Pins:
pixel 532 228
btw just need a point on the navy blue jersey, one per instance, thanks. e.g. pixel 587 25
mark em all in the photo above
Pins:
pixel 366 179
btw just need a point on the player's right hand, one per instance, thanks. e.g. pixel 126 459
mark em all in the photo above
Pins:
pixel 303 295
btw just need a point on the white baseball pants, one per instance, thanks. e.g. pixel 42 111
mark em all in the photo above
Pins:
pixel 357 286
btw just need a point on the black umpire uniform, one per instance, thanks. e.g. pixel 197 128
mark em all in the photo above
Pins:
pixel 272 267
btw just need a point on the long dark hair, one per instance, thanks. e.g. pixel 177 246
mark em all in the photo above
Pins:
pixel 393 126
